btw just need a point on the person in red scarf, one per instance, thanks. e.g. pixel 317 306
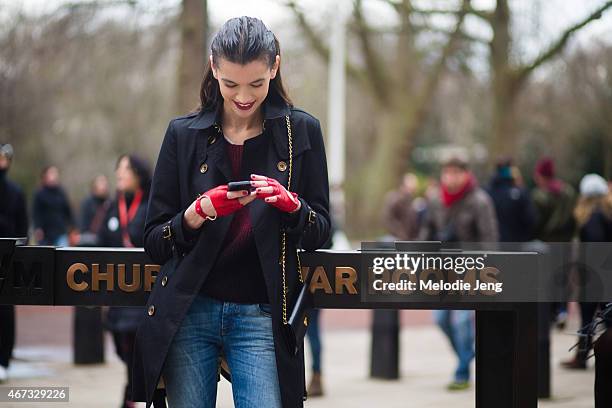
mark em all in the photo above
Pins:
pixel 463 213
pixel 123 226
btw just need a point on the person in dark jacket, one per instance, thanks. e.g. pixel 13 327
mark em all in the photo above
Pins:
pixel 230 276
pixel 51 210
pixel 463 213
pixel 13 224
pixel 554 201
pixel 593 216
pixel 93 210
pixel 513 206
pixel 399 216
pixel 123 226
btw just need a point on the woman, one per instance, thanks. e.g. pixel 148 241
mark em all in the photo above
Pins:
pixel 593 215
pixel 123 226
pixel 226 293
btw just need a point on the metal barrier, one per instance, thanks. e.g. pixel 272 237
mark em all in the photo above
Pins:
pixel 506 333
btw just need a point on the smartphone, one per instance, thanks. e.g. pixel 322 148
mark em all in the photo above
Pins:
pixel 239 185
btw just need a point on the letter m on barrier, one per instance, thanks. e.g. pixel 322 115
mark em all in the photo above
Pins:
pixel 27 281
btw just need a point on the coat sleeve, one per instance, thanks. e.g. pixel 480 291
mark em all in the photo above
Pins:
pixel 164 206
pixel 311 223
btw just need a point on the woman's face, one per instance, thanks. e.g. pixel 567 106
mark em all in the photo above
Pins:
pixel 244 87
pixel 127 180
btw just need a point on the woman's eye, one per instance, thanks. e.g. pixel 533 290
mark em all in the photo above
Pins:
pixel 230 86
pixel 257 86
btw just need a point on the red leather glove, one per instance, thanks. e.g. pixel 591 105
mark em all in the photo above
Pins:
pixel 275 194
pixel 222 205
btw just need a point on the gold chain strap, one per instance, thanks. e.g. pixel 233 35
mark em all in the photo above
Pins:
pixel 284 234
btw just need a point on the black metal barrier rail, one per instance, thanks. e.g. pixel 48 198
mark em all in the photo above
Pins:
pixel 506 333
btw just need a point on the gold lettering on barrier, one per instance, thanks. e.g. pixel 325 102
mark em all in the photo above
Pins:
pixel 305 271
pixel 346 277
pixel 108 277
pixel 488 275
pixel 70 278
pixel 426 276
pixel 320 281
pixel 396 278
pixel 149 278
pixel 135 285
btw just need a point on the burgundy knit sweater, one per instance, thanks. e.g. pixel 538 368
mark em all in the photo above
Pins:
pixel 237 275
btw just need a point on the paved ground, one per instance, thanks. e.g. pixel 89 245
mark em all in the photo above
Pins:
pixel 44 355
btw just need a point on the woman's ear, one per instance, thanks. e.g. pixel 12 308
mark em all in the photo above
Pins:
pixel 275 67
pixel 212 67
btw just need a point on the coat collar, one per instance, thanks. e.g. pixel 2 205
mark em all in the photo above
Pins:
pixel 273 108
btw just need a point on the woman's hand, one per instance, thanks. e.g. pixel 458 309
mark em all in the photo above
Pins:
pixel 217 202
pixel 275 193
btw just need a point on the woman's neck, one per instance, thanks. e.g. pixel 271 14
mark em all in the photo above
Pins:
pixel 237 129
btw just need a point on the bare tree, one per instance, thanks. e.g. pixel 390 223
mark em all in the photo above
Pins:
pixel 194 31
pixel 509 77
pixel 403 87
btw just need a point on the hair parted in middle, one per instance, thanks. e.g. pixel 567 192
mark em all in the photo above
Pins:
pixel 241 40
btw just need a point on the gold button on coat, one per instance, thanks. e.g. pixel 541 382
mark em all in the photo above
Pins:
pixel 164 281
pixel 204 168
pixel 282 166
pixel 151 310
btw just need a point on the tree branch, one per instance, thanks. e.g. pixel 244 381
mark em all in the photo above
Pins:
pixel 524 71
pixel 463 35
pixel 376 71
pixel 483 14
pixel 317 43
pixel 432 80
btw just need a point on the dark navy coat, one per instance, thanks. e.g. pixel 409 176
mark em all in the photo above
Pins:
pixel 193 160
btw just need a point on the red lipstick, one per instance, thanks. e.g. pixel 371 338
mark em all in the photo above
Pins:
pixel 244 106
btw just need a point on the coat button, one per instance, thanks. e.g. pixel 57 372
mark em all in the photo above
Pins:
pixel 164 281
pixel 282 166
pixel 151 310
pixel 204 168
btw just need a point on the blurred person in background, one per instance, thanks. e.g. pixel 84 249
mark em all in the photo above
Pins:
pixel 51 210
pixel 517 176
pixel 593 216
pixel 313 332
pixel 399 217
pixel 554 202
pixel 463 213
pixel 123 226
pixel 513 206
pixel 13 224
pixel 93 211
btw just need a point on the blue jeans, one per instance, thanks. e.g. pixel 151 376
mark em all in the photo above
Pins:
pixel 314 338
pixel 458 326
pixel 243 334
